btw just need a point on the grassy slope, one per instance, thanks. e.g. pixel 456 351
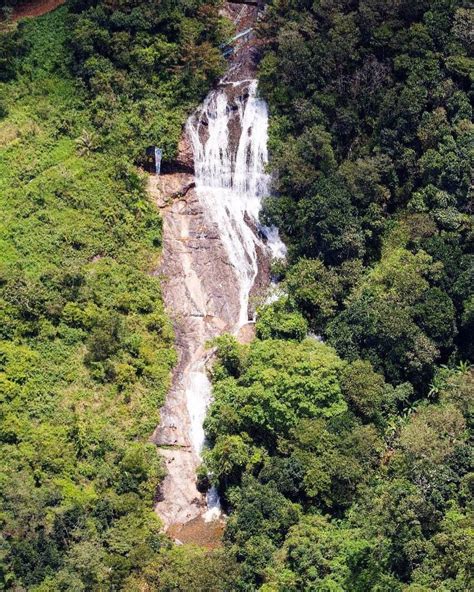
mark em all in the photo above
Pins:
pixel 86 349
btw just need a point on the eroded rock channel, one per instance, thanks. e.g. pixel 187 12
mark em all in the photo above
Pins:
pixel 215 257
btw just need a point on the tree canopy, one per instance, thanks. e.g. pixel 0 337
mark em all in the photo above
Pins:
pixel 368 487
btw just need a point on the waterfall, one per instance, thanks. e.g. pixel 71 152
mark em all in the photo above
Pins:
pixel 231 179
pixel 229 135
pixel 198 396
pixel 214 248
pixel 215 257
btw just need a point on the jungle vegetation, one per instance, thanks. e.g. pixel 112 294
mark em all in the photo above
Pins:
pixel 341 437
pixel 85 347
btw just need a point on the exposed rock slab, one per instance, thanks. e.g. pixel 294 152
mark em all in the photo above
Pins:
pixel 200 294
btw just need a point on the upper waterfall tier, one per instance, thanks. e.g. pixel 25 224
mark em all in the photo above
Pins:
pixel 229 135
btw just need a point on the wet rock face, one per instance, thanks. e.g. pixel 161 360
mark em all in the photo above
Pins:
pixel 202 292
pixel 198 280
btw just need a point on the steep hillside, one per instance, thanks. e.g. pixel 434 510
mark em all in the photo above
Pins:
pixel 86 349
pixel 339 438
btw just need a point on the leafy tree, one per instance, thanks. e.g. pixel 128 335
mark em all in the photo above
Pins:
pixel 364 389
pixel 281 382
pixel 277 322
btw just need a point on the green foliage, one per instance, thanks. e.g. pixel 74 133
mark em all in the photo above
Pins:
pixel 277 322
pixel 317 555
pixel 314 289
pixel 334 507
pixel 11 48
pixel 144 66
pixel 369 485
pixel 181 569
pixel 86 349
pixel 333 478
pixel 371 135
pixel 364 389
pixel 395 319
pixel 279 383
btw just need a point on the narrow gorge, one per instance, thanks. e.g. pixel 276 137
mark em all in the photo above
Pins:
pixel 215 261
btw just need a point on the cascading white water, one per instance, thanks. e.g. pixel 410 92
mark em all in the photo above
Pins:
pixel 231 182
pixel 198 396
pixel 214 254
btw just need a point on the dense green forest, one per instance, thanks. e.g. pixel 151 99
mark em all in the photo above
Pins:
pixel 341 437
pixel 346 465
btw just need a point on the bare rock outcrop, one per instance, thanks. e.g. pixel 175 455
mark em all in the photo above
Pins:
pixel 200 294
